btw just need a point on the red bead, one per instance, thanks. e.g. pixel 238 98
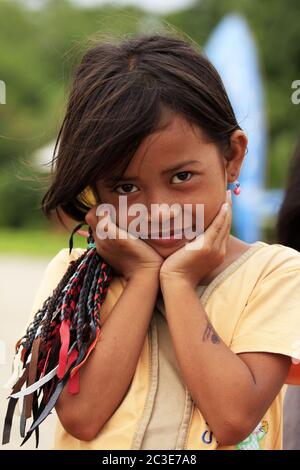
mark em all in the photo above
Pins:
pixel 237 191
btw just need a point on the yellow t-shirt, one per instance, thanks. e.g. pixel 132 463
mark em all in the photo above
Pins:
pixel 254 305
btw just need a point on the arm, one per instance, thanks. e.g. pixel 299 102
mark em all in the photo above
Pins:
pixel 106 376
pixel 232 391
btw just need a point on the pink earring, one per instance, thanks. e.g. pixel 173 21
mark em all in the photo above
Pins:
pixel 237 188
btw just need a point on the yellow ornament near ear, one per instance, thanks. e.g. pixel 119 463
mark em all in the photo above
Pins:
pixel 87 197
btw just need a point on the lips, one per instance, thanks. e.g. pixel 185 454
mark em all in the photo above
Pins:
pixel 166 234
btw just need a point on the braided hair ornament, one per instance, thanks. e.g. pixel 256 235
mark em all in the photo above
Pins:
pixel 57 342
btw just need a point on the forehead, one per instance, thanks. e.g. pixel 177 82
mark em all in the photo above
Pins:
pixel 178 140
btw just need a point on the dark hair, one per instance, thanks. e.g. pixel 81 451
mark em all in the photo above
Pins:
pixel 118 94
pixel 288 221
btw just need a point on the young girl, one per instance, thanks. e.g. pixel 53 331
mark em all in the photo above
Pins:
pixel 196 344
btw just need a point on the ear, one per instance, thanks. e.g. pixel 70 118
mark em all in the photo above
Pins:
pixel 235 155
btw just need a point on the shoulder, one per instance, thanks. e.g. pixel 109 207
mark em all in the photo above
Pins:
pixel 62 259
pixel 53 273
pixel 57 266
pixel 272 282
pixel 269 320
pixel 271 258
pixel 64 255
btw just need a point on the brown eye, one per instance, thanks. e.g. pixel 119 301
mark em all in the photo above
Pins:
pixel 127 186
pixel 183 175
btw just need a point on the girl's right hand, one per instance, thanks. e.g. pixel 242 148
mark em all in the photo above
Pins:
pixel 129 256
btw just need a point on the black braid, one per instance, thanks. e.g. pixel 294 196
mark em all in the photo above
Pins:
pixel 68 324
pixel 57 292
pixel 92 293
pixel 33 327
pixel 47 308
pixel 82 307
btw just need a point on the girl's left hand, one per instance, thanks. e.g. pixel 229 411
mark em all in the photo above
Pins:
pixel 205 252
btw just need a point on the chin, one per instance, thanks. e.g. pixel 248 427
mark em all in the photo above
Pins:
pixel 165 251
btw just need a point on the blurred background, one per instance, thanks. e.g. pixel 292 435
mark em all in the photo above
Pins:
pixel 42 40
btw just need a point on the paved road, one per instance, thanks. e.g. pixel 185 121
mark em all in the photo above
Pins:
pixel 19 277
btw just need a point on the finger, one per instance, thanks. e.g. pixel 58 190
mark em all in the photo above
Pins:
pixel 104 226
pixel 107 229
pixel 91 218
pixel 224 233
pixel 216 229
pixel 221 240
pixel 209 236
pixel 216 226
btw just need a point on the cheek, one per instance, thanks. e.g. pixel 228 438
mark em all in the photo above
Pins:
pixel 210 213
pixel 131 222
pixel 113 200
pixel 211 207
pixel 214 206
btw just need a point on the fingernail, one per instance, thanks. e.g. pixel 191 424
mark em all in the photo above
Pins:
pixel 229 195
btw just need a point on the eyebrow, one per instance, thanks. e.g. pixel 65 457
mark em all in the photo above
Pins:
pixel 168 170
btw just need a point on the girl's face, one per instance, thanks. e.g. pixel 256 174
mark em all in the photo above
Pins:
pixel 176 165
